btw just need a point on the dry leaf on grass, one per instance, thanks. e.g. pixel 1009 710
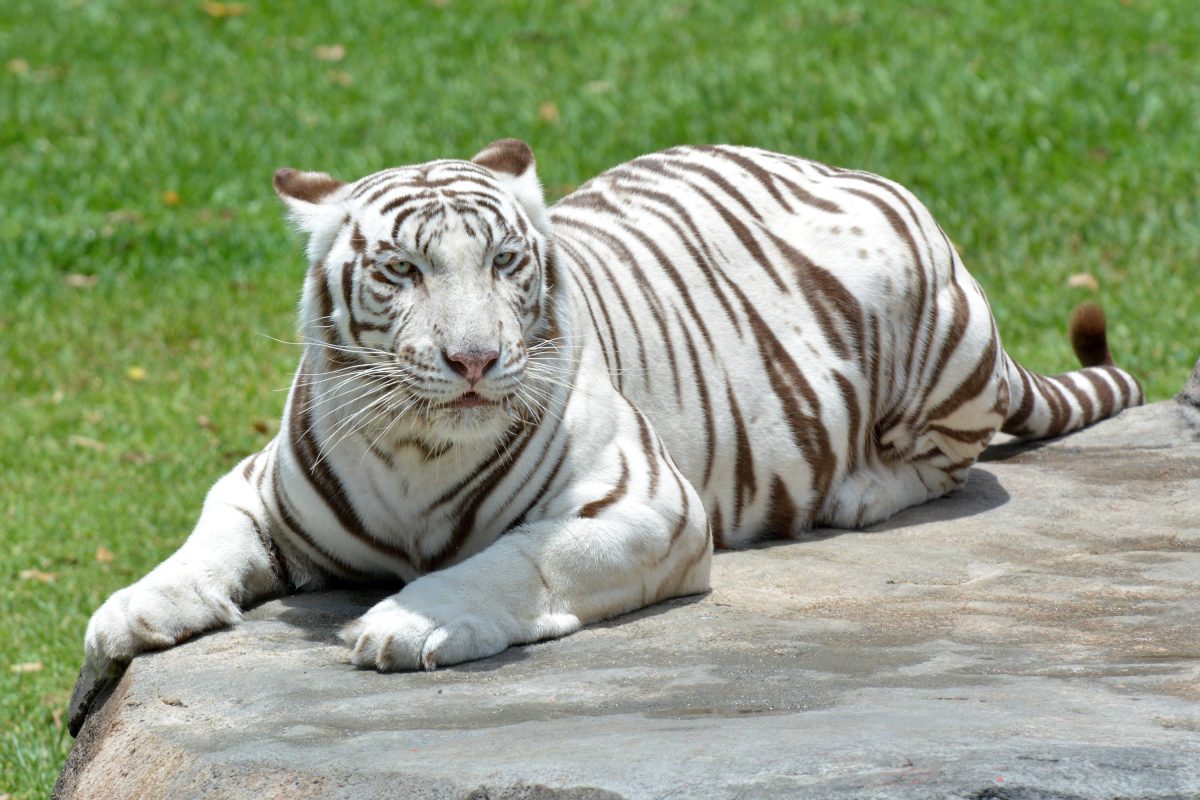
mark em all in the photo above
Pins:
pixel 330 52
pixel 1083 280
pixel 221 10
pixel 104 555
pixel 171 197
pixel 205 422
pixel 136 373
pixel 37 575
pixel 30 666
pixel 548 112
pixel 86 443
pixel 78 281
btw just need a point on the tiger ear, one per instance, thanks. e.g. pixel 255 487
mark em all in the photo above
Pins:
pixel 512 162
pixel 312 200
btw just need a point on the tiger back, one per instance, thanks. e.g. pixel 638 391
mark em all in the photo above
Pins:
pixel 805 339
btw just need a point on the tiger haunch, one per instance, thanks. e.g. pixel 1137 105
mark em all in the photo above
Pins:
pixel 538 418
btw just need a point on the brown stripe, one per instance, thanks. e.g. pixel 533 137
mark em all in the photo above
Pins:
pixel 700 379
pixel 324 480
pixel 1104 392
pixel 1119 377
pixel 821 289
pixel 764 178
pixel 614 365
pixel 1015 424
pixel 647 448
pixel 604 312
pixel 371 181
pixel 735 225
pixel 902 230
pixel 669 585
pixel 681 525
pixel 1060 412
pixel 958 329
pixel 477 473
pixel 809 434
pixel 676 278
pixel 743 464
pixel 400 219
pixel 648 294
pixel 629 315
pixel 618 491
pixel 1085 402
pixel 978 436
pixel 747 239
pixel 874 359
pixel 689 166
pixel 717 526
pixel 850 400
pixel 275 560
pixel 468 509
pixel 248 470
pixel 696 247
pixel 970 387
pixel 545 487
pixel 782 515
pixel 292 525
pixel 767 179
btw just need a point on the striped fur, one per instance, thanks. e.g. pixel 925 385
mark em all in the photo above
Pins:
pixel 540 418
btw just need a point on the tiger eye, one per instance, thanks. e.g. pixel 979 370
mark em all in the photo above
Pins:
pixel 400 270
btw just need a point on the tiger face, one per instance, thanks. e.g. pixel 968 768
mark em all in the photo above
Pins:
pixel 431 283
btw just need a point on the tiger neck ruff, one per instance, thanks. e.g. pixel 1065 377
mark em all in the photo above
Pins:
pixel 538 418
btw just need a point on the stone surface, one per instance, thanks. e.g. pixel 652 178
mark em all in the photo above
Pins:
pixel 1036 635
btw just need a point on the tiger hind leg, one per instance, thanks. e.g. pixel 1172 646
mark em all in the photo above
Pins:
pixel 872 494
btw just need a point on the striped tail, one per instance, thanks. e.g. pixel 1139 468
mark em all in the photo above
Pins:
pixel 1041 406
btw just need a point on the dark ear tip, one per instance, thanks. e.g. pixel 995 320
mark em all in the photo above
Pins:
pixel 308 187
pixel 506 155
pixel 283 177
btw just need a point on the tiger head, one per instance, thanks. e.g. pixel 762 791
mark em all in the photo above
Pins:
pixel 432 284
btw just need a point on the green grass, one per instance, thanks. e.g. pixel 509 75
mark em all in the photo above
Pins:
pixel 1049 140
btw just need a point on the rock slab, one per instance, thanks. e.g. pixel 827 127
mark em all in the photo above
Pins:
pixel 1035 635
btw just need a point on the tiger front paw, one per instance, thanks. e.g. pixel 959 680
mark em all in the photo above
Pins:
pixel 400 635
pixel 152 616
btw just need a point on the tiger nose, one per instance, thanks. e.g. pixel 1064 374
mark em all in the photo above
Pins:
pixel 471 365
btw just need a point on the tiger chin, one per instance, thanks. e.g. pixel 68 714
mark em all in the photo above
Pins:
pixel 537 418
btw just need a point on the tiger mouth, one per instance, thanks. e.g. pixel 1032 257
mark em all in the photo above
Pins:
pixel 470 400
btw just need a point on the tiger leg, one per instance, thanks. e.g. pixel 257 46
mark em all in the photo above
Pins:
pixel 545 579
pixel 926 465
pixel 226 562
pixel 873 494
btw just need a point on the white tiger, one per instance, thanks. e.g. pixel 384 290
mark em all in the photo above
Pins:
pixel 541 418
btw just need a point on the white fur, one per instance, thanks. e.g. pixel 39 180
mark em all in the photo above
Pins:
pixel 730 357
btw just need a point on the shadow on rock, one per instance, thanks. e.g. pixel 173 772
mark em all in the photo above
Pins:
pixel 1014 448
pixel 319 616
pixel 983 492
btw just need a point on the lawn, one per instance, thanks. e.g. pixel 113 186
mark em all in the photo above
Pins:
pixel 144 263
